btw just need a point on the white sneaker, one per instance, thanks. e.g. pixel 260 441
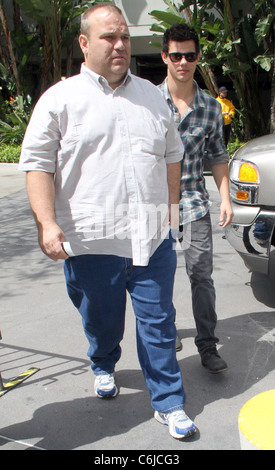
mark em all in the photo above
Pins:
pixel 180 425
pixel 105 386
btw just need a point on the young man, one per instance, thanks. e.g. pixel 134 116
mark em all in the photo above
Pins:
pixel 228 112
pixel 199 121
pixel 102 157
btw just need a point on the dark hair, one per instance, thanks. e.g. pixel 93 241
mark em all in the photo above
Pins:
pixel 180 32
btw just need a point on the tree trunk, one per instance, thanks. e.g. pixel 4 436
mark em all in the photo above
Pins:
pixel 10 48
pixel 56 42
pixel 16 15
pixel 209 79
pixel 46 75
pixel 205 70
pixel 4 59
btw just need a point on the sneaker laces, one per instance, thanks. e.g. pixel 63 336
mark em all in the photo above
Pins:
pixel 105 379
pixel 179 416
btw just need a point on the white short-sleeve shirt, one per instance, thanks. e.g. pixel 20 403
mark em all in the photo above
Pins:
pixel 108 150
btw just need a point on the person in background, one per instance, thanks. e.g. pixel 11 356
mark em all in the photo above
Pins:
pixel 199 122
pixel 103 158
pixel 228 112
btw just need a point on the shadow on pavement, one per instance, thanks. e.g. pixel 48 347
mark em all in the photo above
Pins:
pixel 247 343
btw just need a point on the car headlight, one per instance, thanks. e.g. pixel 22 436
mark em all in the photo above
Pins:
pixel 244 182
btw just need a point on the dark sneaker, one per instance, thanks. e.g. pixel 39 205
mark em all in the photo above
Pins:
pixel 213 362
pixel 178 344
pixel 179 424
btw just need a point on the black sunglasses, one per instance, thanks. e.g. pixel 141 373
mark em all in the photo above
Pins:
pixel 177 56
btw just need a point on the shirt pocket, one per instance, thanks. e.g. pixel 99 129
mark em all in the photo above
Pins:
pixel 149 136
pixel 195 138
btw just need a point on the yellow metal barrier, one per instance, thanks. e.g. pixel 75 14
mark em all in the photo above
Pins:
pixel 4 388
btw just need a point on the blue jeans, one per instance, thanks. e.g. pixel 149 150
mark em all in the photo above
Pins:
pixel 97 286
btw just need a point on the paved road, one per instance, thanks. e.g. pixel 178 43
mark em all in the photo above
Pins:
pixel 56 408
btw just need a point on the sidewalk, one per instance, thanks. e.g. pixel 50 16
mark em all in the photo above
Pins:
pixel 56 409
pixel 11 180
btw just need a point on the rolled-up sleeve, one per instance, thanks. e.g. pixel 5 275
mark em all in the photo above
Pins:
pixel 42 138
pixel 215 149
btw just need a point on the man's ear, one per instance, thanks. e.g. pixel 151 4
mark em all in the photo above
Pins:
pixel 164 57
pixel 83 42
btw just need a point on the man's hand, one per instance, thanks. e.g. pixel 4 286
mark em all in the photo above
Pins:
pixel 221 177
pixel 226 214
pixel 41 192
pixel 50 241
pixel 174 216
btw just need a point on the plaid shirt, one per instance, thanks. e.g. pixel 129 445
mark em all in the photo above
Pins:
pixel 201 134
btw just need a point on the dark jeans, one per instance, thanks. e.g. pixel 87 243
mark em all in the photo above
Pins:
pixel 197 245
pixel 226 133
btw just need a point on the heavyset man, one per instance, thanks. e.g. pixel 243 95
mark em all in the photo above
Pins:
pixel 102 157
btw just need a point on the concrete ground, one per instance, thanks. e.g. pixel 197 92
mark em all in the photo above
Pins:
pixel 56 409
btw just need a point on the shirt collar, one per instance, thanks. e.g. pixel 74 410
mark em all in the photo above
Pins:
pixel 99 80
pixel 198 102
pixel 164 88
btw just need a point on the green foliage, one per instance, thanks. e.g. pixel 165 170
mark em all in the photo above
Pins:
pixel 56 30
pixel 233 146
pixel 14 125
pixel 39 9
pixel 9 153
